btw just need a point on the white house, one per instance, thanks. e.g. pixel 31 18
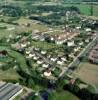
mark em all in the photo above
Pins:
pixel 53 59
pixel 28 52
pixel 35 58
pixel 70 43
pixel 76 49
pixel 81 43
pixel 37 49
pixel 39 62
pixel 78 27
pixel 43 52
pixel 60 62
pixel 30 55
pixel 45 65
pixel 63 59
pixel 88 29
pixel 23 45
pixel 47 73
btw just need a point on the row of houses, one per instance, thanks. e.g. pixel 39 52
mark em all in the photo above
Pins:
pixel 58 39
pixel 93 55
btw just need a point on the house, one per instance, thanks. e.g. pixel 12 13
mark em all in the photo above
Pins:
pixel 63 59
pixel 47 73
pixel 60 39
pixel 35 58
pixel 78 27
pixel 70 43
pixel 93 55
pixel 71 55
pixel 28 52
pixel 88 29
pixel 40 62
pixel 81 43
pixel 53 59
pixel 43 52
pixel 60 62
pixel 45 65
pixel 76 49
pixel 37 49
pixel 23 45
pixel 31 55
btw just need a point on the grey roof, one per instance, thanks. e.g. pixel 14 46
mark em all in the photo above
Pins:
pixel 8 90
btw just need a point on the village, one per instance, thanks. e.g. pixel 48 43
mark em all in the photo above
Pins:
pixel 49 53
pixel 40 56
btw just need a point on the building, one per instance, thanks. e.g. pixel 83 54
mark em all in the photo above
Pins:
pixel 60 39
pixel 93 55
pixel 9 91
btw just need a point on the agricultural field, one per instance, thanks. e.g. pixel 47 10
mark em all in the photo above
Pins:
pixel 88 73
pixel 34 25
pixel 7 29
pixel 85 8
pixel 10 74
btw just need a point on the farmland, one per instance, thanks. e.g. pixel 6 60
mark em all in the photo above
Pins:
pixel 88 73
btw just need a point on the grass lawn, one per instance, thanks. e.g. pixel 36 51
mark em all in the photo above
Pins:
pixel 63 95
pixel 44 45
pixel 88 73
pixel 6 32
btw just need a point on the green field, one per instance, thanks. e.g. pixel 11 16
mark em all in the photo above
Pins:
pixel 62 95
pixel 12 29
pixel 85 8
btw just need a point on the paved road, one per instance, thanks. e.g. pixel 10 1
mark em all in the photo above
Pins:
pixel 85 50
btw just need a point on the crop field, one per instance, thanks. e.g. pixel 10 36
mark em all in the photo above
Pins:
pixel 11 74
pixel 88 73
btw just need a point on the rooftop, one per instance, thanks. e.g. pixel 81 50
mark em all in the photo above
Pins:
pixel 9 91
